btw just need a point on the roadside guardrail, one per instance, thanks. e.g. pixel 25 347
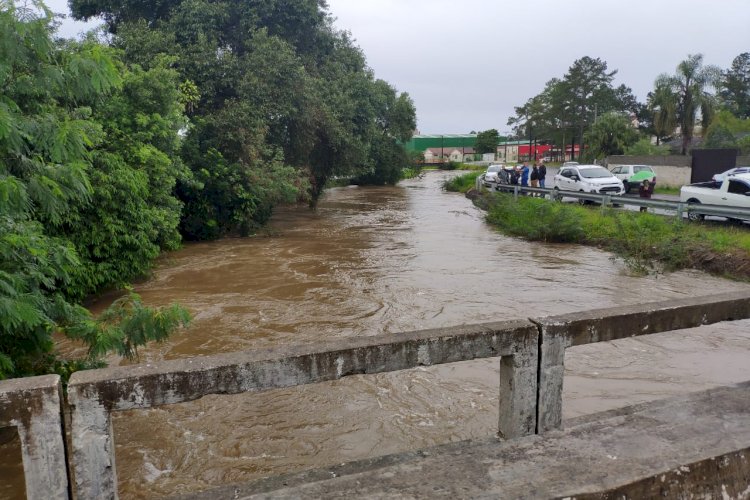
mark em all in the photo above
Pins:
pixel 690 210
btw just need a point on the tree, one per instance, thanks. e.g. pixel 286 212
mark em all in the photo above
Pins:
pixel 568 106
pixel 46 136
pixel 728 131
pixel 487 141
pixel 610 135
pixel 734 89
pixel 689 88
pixel 662 103
pixel 286 102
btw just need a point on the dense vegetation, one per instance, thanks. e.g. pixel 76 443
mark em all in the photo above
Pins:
pixel 646 242
pixel 190 120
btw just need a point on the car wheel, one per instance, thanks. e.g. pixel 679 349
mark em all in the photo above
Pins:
pixel 556 194
pixel 692 215
pixel 582 201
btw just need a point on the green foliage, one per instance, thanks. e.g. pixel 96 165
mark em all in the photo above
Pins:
pixel 688 91
pixel 461 183
pixel 646 242
pixel 487 141
pixel 610 135
pixel 275 86
pixel 536 219
pixel 643 147
pixel 69 173
pixel 728 131
pixel 568 106
pixel 734 89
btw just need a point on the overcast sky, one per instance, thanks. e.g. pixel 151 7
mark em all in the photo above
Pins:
pixel 467 63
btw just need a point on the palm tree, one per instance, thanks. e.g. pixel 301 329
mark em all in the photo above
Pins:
pixel 662 103
pixel 689 86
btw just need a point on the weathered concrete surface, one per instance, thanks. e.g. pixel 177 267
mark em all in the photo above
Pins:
pixel 32 406
pixel 695 446
pixel 560 332
pixel 94 394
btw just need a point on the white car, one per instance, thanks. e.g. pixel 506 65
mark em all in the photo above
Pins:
pixel 731 171
pixel 733 191
pixel 625 172
pixel 588 179
pixel 490 176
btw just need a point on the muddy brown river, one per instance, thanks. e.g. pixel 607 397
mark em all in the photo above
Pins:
pixel 390 259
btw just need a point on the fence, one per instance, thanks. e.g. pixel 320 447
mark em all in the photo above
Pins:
pixel 693 211
pixel 532 357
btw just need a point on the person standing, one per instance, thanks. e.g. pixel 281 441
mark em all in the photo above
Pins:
pixel 645 190
pixel 525 174
pixel 535 176
pixel 542 174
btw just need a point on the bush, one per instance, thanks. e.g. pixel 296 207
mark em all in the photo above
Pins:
pixel 462 183
pixel 537 219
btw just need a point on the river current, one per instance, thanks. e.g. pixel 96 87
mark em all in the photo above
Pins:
pixel 371 260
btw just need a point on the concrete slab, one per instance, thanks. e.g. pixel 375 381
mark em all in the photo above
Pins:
pixel 695 446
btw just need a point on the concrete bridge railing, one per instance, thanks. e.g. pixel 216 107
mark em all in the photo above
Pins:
pixel 32 406
pixel 532 358
pixel 93 395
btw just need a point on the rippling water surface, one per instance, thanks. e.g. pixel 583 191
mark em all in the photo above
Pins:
pixel 390 259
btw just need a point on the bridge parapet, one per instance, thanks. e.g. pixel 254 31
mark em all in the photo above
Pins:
pixel 557 333
pixel 93 395
pixel 32 406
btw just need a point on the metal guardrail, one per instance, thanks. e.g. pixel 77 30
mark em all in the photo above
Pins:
pixel 691 210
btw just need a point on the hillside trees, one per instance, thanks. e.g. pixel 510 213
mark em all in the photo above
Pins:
pixel 49 135
pixel 286 102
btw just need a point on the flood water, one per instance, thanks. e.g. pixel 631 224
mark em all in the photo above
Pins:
pixel 390 259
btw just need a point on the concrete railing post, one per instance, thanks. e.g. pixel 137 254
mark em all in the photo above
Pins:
pixel 560 332
pixel 93 457
pixel 32 406
pixel 518 391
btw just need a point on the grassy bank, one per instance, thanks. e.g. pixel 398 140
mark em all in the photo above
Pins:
pixel 646 242
pixel 462 183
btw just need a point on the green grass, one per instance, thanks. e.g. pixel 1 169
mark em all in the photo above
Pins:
pixel 462 183
pixel 646 242
pixel 666 190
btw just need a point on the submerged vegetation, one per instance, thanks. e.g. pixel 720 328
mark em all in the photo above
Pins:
pixel 646 242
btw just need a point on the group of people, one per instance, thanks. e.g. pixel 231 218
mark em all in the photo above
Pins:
pixel 522 174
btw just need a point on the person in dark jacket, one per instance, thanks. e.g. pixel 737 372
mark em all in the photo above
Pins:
pixel 645 190
pixel 535 176
pixel 542 174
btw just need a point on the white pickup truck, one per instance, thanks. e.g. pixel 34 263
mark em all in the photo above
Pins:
pixel 733 191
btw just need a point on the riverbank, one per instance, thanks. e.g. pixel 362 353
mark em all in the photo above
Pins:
pixel 646 242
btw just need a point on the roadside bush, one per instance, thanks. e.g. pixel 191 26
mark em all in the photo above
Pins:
pixel 537 219
pixel 462 183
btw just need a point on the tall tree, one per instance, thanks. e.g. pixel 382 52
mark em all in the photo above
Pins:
pixel 662 103
pixel 286 102
pixel 689 86
pixel 734 89
pixel 487 141
pixel 610 135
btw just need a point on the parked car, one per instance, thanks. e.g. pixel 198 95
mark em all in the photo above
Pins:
pixel 732 171
pixel 733 191
pixel 588 179
pixel 625 172
pixel 490 176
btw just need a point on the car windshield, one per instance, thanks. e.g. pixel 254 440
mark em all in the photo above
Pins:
pixel 594 173
pixel 494 168
pixel 642 168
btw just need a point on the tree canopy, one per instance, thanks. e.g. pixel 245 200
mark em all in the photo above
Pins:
pixel 487 141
